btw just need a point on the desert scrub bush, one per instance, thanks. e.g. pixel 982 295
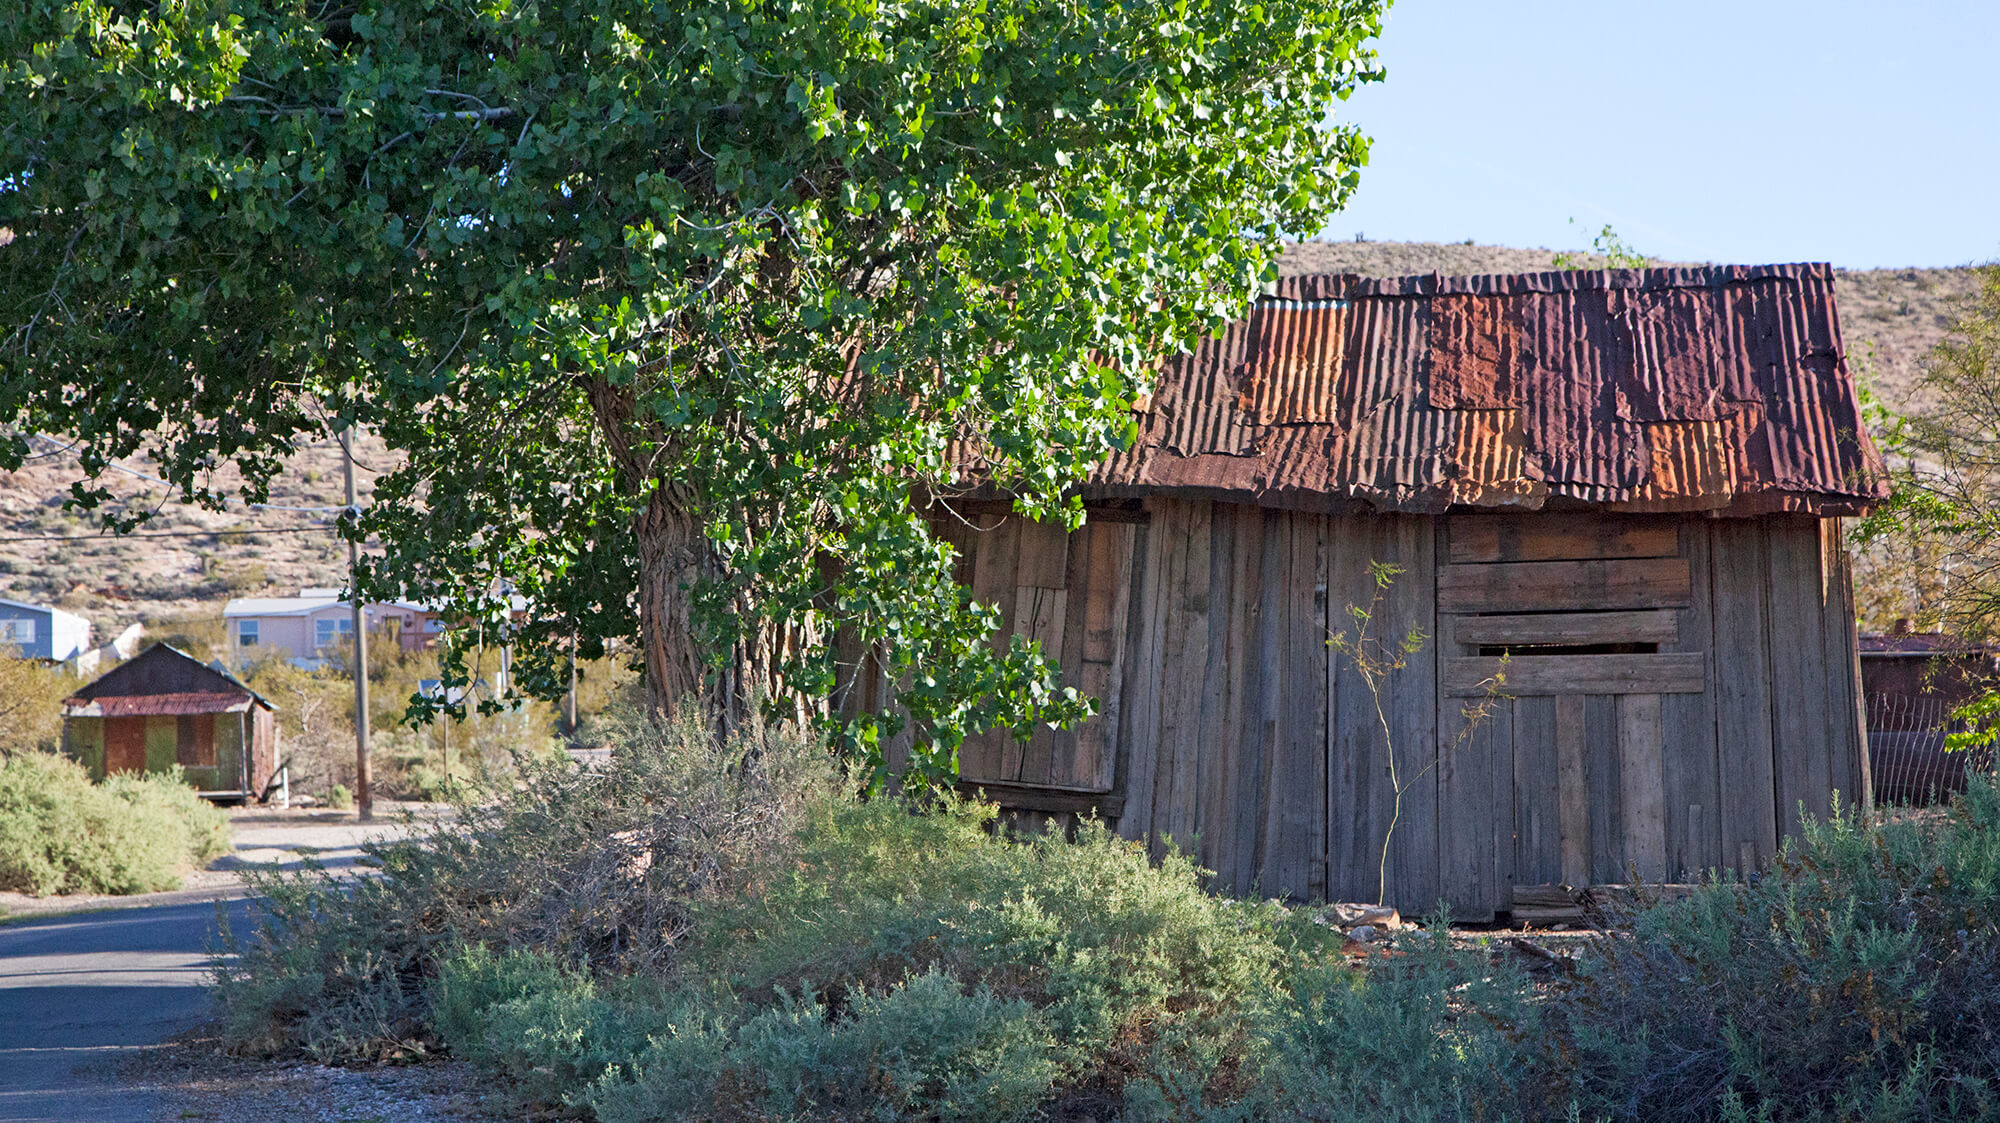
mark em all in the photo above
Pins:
pixel 31 703
pixel 1418 1031
pixel 596 869
pixel 1079 960
pixel 1859 978
pixel 60 833
pixel 924 1048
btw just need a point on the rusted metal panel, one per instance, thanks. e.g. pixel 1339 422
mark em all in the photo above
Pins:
pixel 157 705
pixel 1297 355
pixel 1719 389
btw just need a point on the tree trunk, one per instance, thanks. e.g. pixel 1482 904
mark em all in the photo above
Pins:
pixel 673 557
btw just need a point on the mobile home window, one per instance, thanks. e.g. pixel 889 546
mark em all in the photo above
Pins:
pixel 327 632
pixel 246 633
pixel 21 631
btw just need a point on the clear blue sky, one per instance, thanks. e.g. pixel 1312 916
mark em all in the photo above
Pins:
pixel 1865 134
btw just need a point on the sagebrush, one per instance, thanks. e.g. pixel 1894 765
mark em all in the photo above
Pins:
pixel 61 833
pixel 708 931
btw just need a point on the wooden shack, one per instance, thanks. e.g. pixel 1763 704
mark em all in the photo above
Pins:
pixel 166 707
pixel 1619 490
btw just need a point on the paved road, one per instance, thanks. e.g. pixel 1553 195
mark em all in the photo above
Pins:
pixel 79 994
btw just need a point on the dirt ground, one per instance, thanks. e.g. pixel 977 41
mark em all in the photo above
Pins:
pixel 197 1081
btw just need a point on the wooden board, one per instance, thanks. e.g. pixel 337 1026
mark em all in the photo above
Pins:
pixel 1531 675
pixel 124 744
pixel 1748 821
pixel 1040 612
pixel 1043 798
pixel 1692 769
pixel 1086 757
pixel 1853 776
pixel 1476 808
pixel 1137 748
pixel 1184 668
pixel 1295 834
pixel 1572 789
pixel 1546 537
pixel 1602 767
pixel 1537 802
pixel 996 553
pixel 1044 554
pixel 1642 783
pixel 1655 626
pixel 1361 799
pixel 1551 586
pixel 1798 673
pixel 1229 759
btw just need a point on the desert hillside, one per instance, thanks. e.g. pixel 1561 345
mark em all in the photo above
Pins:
pixel 189 560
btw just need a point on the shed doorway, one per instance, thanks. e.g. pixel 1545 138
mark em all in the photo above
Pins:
pixel 124 745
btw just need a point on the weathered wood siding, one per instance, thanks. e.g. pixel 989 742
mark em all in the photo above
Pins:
pixel 1599 698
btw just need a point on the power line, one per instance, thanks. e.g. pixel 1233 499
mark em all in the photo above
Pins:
pixel 166 534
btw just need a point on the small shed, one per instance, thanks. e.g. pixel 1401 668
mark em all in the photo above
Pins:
pixel 1621 489
pixel 1911 682
pixel 166 707
pixel 36 631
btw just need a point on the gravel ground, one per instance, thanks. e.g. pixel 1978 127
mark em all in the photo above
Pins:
pixel 197 1081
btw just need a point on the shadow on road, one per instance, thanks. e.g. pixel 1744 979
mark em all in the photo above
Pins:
pixel 81 993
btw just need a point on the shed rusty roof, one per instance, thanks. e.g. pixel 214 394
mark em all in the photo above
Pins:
pixel 1721 389
pixel 157 705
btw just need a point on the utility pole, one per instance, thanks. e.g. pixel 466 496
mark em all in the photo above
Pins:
pixel 364 796
pixel 569 703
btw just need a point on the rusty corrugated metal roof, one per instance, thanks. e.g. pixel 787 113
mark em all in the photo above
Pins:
pixel 156 705
pixel 1720 389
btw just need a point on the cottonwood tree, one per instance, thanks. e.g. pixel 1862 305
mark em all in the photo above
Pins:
pixel 1937 541
pixel 682 311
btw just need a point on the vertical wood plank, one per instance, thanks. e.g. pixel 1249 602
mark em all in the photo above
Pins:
pixel 1040 614
pixel 1748 819
pixel 1537 799
pixel 1572 790
pixel 1411 542
pixel 1185 658
pixel 1139 687
pixel 1798 672
pixel 1100 601
pixel 1850 730
pixel 1475 783
pixel 1643 785
pixel 1358 800
pixel 1044 548
pixel 1295 833
pixel 1688 724
pixel 1231 763
pixel 996 559
pixel 1603 763
pixel 1062 744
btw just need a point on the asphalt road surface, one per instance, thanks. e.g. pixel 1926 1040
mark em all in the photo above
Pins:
pixel 81 993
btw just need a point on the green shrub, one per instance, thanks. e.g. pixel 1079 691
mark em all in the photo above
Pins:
pixel 1116 953
pixel 60 833
pixel 596 869
pixel 924 1049
pixel 339 797
pixel 1420 1031
pixel 1858 979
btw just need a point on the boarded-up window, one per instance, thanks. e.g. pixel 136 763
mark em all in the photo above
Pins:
pixel 194 741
